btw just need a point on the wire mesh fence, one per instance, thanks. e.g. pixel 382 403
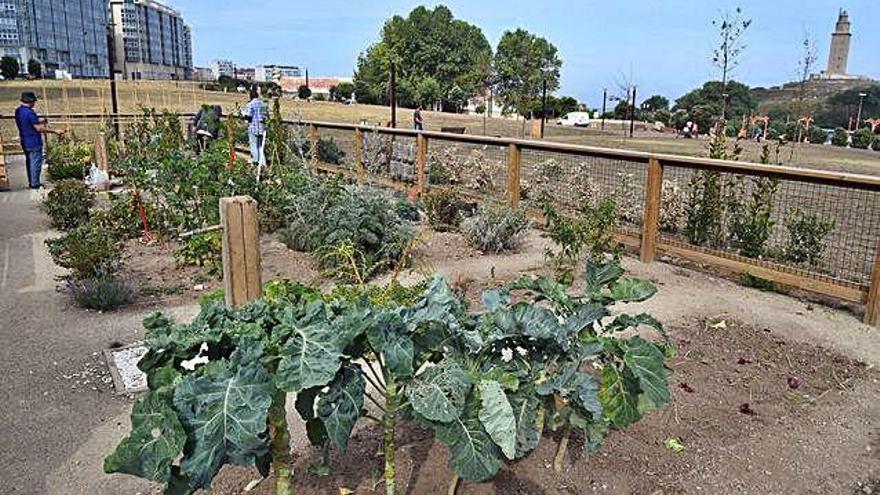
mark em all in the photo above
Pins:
pixel 817 230
pixel 478 170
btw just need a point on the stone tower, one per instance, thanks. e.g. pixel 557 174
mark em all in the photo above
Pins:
pixel 839 54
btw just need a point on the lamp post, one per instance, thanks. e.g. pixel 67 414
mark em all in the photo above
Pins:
pixel 859 114
pixel 604 102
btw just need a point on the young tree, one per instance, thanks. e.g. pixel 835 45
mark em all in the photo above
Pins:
pixel 303 92
pixel 726 55
pixel 9 67
pixel 522 62
pixel 35 69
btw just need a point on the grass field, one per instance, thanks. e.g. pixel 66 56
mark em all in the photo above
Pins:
pixel 67 97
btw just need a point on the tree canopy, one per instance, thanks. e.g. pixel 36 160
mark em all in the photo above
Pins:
pixel 704 104
pixel 522 62
pixel 428 43
pixel 9 67
pixel 837 109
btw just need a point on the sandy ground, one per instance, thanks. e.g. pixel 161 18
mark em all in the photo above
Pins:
pixel 60 417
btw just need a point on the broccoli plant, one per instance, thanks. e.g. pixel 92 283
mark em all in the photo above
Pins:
pixel 485 382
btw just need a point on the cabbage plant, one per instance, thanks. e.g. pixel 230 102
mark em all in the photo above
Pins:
pixel 486 382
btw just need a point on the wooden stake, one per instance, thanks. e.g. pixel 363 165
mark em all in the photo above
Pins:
pixel 242 280
pixel 872 308
pixel 313 138
pixel 421 161
pixel 101 160
pixel 359 156
pixel 514 164
pixel 651 224
pixel 4 177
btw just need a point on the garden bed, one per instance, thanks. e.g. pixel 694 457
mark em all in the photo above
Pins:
pixel 818 438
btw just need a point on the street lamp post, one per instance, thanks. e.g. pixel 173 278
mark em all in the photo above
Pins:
pixel 859 113
pixel 604 102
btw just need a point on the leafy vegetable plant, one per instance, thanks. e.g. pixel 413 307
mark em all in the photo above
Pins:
pixel 69 204
pixel 496 228
pixel 486 382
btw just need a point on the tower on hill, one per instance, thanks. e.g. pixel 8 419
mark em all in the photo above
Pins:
pixel 840 39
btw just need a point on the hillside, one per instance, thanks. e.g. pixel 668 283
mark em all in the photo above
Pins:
pixel 831 101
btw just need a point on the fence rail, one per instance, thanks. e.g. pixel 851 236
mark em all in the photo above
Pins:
pixel 652 192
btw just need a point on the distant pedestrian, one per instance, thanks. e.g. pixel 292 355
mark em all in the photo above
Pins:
pixel 30 130
pixel 418 122
pixel 255 113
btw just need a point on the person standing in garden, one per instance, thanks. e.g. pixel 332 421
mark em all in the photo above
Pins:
pixel 418 122
pixel 255 113
pixel 30 130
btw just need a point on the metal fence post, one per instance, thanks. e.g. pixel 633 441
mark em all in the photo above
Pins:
pixel 872 308
pixel 359 156
pixel 242 280
pixel 421 161
pixel 514 163
pixel 651 224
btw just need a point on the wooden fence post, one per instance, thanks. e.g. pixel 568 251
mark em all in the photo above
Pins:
pixel 242 280
pixel 872 308
pixel 359 156
pixel 313 139
pixel 514 164
pixel 101 160
pixel 651 223
pixel 421 161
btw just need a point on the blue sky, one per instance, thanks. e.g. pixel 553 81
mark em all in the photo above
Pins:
pixel 661 46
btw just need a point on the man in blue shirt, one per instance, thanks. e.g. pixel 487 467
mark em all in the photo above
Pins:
pixel 30 131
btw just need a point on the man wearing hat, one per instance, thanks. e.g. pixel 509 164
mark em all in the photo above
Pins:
pixel 30 131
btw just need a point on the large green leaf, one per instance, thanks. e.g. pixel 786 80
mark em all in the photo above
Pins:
pixel 388 336
pixel 223 410
pixel 619 397
pixel 580 388
pixel 528 320
pixel 310 358
pixel 156 440
pixel 529 421
pixel 496 415
pixel 340 407
pixel 624 322
pixel 584 317
pixel 439 393
pixel 545 288
pixel 473 455
pixel 600 275
pixel 632 290
pixel 305 402
pixel 645 361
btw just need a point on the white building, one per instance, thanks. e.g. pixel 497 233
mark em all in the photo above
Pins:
pixel 274 73
pixel 221 68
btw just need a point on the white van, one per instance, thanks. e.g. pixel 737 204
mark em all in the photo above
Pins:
pixel 575 119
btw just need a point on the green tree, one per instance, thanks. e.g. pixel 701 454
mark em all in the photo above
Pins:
pixel 654 103
pixel 703 105
pixel 839 108
pixel 428 91
pixel 344 90
pixel 304 93
pixel 34 68
pixel 428 43
pixel 522 62
pixel 9 67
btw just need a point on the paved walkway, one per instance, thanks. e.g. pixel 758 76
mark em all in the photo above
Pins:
pixel 54 401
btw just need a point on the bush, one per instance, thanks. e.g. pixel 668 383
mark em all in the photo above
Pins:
pixel 68 159
pixel 817 135
pixel 863 138
pixel 444 210
pixel 591 231
pixel 344 223
pixel 329 152
pixel 204 250
pixel 87 251
pixel 69 204
pixel 406 209
pixel 495 229
pixel 840 138
pixel 806 238
pixel 103 292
